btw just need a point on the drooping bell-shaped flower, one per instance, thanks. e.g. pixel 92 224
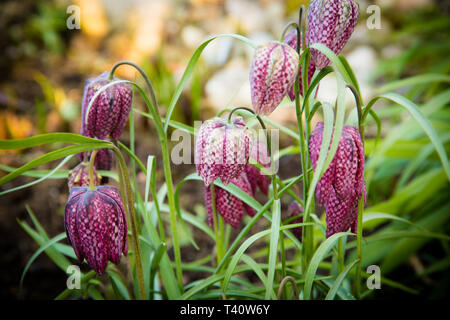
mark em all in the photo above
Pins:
pixel 229 206
pixel 342 184
pixel 79 176
pixel 291 40
pixel 331 23
pixel 109 112
pixel 260 154
pixel 96 226
pixel 272 74
pixel 222 149
pixel 294 210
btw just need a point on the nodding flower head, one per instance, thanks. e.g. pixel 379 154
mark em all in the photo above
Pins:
pixel 291 40
pixel 109 111
pixel 272 74
pixel 79 176
pixel 228 206
pixel 260 154
pixel 96 225
pixel 222 149
pixel 342 184
pixel 331 23
pixel 295 209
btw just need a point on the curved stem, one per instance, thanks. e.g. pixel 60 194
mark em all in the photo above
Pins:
pixel 358 107
pixel 91 170
pixel 215 224
pixel 144 75
pixel 268 141
pixel 153 108
pixel 283 283
pixel 286 28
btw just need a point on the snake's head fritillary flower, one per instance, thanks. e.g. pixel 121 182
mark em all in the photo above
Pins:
pixel 331 23
pixel 342 184
pixel 294 210
pixel 229 206
pixel 222 149
pixel 272 74
pixel 96 225
pixel 291 40
pixel 260 154
pixel 79 176
pixel 109 112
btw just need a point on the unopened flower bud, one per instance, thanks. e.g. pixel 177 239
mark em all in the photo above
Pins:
pixel 109 112
pixel 79 176
pixel 272 74
pixel 331 23
pixel 342 184
pixel 222 149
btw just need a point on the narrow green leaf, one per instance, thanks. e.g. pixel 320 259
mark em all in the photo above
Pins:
pixel 424 123
pixel 274 237
pixel 44 247
pixel 62 137
pixel 190 69
pixel 412 81
pixel 318 256
pixel 337 283
pixel 54 155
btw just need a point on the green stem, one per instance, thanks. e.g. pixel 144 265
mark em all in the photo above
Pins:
pixel 283 264
pixel 359 235
pixel 91 170
pixel 215 225
pixel 132 217
pixel 154 110
pixel 144 75
pixel 172 209
pixel 307 236
pixel 358 108
pixel 359 239
pixel 340 256
pixel 268 142
pixel 286 28
pixel 283 283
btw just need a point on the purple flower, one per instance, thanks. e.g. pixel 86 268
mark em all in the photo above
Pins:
pixel 222 149
pixel 79 176
pixel 228 206
pixel 330 22
pixel 109 112
pixel 256 178
pixel 341 186
pixel 96 225
pixel 295 209
pixel 291 40
pixel 272 74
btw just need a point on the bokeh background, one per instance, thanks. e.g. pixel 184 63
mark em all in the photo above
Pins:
pixel 43 67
